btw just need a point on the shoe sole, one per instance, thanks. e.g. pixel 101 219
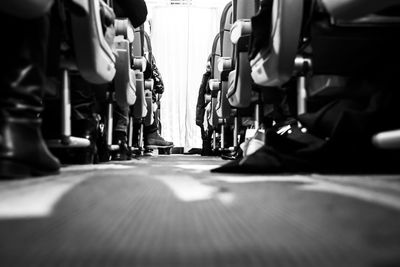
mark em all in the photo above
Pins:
pixel 155 147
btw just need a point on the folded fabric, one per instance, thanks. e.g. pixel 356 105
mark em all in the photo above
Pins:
pixel 301 152
pixel 280 154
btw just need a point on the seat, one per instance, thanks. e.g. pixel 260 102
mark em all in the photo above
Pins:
pixel 90 53
pixel 308 43
pixel 240 81
pixel 125 80
pixel 123 90
pixel 212 116
pixel 278 60
pixel 149 83
pixel 376 35
pixel 215 55
pixel 139 66
pixel 156 106
pixel 339 47
pixel 219 83
pixel 92 45
pixel 225 62
pixel 274 64
pixel 139 109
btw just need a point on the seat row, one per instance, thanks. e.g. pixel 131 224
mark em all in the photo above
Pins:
pixel 110 55
pixel 268 51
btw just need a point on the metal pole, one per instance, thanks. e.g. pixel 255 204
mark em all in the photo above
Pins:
pixel 65 106
pixel 110 120
pixel 301 95
pixel 223 134
pixel 235 131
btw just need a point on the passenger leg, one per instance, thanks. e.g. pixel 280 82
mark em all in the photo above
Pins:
pixel 152 139
pixel 121 117
pixel 23 151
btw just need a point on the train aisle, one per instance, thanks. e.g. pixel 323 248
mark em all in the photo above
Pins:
pixel 171 211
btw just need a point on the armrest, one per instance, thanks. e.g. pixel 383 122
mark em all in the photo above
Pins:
pixel 214 84
pixel 124 27
pixel 124 80
pixel 149 84
pixel 240 29
pixel 139 63
pixel 224 64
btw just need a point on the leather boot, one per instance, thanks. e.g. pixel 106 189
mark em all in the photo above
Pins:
pixel 23 151
pixel 123 153
pixel 152 139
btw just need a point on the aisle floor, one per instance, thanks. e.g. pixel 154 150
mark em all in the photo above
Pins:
pixel 172 211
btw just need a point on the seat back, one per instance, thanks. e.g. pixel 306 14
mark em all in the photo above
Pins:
pixel 240 81
pixel 365 47
pixel 355 47
pixel 124 81
pixel 225 30
pixel 138 44
pixel 225 62
pixel 93 45
pixel 341 48
pixel 274 65
pixel 148 49
pixel 139 64
pixel 215 55
pixel 148 83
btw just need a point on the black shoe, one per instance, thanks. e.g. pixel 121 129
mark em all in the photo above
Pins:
pixel 23 152
pixel 232 155
pixel 206 148
pixel 154 140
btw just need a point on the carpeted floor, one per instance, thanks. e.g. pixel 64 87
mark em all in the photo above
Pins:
pixel 171 211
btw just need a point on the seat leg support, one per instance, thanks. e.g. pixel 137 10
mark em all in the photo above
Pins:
pixel 65 106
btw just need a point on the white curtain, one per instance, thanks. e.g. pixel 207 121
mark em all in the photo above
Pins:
pixel 182 38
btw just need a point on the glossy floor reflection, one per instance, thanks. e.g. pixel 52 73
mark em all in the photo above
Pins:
pixel 171 211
